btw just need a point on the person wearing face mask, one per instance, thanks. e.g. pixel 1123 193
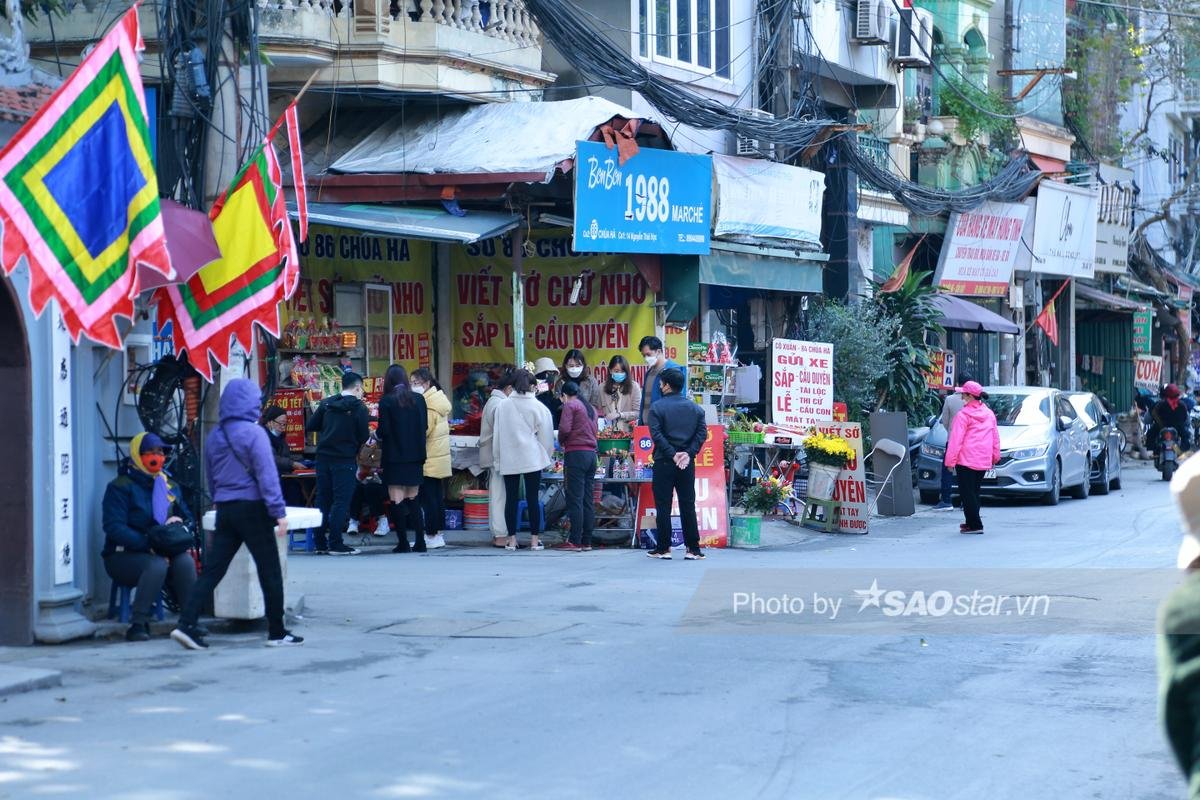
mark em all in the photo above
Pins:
pixel 437 455
pixel 575 368
pixel 621 396
pixel 487 458
pixel 138 499
pixel 546 376
pixel 656 363
pixel 403 425
pixel 342 427
pixel 274 421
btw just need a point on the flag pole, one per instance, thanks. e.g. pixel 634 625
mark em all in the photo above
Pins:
pixel 279 122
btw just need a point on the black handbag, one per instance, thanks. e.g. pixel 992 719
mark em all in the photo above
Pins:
pixel 170 540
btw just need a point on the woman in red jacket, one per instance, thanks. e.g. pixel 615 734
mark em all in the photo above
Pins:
pixel 577 437
pixel 974 448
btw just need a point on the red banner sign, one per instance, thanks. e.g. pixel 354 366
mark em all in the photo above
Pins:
pixel 712 511
pixel 292 401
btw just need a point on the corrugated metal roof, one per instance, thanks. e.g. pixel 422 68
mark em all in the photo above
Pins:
pixel 1103 298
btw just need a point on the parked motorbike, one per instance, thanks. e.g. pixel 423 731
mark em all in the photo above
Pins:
pixel 1166 457
pixel 917 437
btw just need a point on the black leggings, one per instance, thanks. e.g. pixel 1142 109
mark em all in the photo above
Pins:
pixel 512 496
pixel 969 483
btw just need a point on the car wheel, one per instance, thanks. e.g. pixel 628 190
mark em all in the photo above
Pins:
pixel 1103 486
pixel 1052 497
pixel 930 498
pixel 1082 491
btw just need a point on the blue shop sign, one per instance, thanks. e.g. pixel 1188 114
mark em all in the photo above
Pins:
pixel 659 201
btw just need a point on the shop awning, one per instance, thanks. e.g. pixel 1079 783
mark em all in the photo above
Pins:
pixel 963 315
pixel 1102 298
pixel 776 270
pixel 412 222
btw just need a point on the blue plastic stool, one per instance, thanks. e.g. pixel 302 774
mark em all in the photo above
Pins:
pixel 522 514
pixel 308 545
pixel 124 610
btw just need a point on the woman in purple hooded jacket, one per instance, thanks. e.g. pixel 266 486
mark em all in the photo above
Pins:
pixel 244 483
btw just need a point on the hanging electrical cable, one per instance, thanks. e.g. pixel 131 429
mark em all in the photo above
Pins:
pixel 594 55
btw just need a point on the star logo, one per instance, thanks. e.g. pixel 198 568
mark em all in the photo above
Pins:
pixel 869 597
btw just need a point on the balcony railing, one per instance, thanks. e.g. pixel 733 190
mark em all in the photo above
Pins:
pixel 457 46
pixel 890 157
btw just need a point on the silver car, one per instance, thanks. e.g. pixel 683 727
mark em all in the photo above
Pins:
pixel 1044 448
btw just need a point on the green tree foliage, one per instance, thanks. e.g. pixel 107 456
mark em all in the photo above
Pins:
pixel 909 356
pixel 862 336
pixel 971 106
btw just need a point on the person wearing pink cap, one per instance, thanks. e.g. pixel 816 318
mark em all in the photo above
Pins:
pixel 974 448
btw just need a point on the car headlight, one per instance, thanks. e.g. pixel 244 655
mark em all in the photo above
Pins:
pixel 1026 452
pixel 933 450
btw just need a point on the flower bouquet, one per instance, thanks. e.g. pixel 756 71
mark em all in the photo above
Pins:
pixel 827 455
pixel 765 495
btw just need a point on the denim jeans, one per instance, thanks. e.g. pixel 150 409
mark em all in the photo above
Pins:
pixel 336 482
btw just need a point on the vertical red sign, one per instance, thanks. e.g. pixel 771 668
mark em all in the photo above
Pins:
pixel 712 511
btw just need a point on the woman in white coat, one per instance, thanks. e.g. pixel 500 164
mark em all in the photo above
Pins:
pixel 522 441
pixel 487 459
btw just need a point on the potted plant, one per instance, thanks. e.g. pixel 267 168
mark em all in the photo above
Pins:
pixel 827 455
pixel 764 496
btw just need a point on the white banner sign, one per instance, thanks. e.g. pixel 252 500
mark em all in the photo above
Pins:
pixel 801 383
pixel 980 250
pixel 1064 230
pixel 1147 372
pixel 762 198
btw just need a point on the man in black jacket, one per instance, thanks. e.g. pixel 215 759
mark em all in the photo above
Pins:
pixel 341 426
pixel 678 429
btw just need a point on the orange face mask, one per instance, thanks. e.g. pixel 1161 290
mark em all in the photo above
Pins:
pixel 153 462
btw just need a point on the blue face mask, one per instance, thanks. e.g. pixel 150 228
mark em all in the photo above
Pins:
pixel 618 377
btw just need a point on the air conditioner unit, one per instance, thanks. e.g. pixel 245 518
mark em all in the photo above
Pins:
pixel 914 37
pixel 873 22
pixel 751 147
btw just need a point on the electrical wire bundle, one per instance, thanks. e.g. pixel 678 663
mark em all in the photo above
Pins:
pixel 594 55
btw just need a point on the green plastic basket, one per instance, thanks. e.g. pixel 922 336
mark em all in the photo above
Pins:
pixel 745 437
pixel 609 445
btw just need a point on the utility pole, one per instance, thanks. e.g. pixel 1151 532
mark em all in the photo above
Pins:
pixel 784 65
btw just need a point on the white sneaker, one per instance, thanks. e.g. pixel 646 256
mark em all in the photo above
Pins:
pixel 435 541
pixel 383 529
pixel 352 526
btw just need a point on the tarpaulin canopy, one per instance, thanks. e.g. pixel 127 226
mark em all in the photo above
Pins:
pixel 963 315
pixel 492 138
pixel 1103 298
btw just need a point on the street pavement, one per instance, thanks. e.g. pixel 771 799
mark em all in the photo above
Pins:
pixel 476 673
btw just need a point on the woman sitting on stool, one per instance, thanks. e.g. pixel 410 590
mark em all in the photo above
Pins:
pixel 141 498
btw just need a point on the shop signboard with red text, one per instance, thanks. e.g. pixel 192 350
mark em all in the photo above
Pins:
pixel 801 383
pixel 712 510
pixel 981 249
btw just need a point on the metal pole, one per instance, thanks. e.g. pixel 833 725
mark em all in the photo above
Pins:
pixel 518 296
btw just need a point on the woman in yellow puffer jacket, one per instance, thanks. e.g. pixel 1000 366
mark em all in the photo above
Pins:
pixel 437 455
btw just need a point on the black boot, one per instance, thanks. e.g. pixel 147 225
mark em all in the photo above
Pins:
pixel 417 516
pixel 396 518
pixel 138 632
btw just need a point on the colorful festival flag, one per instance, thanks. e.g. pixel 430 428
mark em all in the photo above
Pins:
pixel 258 269
pixel 79 195
pixel 291 116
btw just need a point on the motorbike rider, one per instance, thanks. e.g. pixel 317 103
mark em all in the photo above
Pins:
pixel 1170 412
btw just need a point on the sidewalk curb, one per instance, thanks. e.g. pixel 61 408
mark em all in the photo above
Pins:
pixel 16 680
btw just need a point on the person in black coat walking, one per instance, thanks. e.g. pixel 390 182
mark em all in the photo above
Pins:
pixel 401 432
pixel 342 426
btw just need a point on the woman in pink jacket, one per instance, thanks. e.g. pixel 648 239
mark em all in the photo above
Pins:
pixel 974 448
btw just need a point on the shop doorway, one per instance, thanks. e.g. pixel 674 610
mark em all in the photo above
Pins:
pixel 16 522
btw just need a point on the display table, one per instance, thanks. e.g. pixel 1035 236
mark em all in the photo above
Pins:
pixel 238 595
pixel 632 486
pixel 464 454
pixel 306 480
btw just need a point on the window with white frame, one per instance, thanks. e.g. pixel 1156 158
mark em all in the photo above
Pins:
pixel 693 33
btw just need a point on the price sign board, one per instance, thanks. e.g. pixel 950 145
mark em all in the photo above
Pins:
pixel 658 201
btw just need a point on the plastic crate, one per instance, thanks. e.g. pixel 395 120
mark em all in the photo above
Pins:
pixel 745 437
